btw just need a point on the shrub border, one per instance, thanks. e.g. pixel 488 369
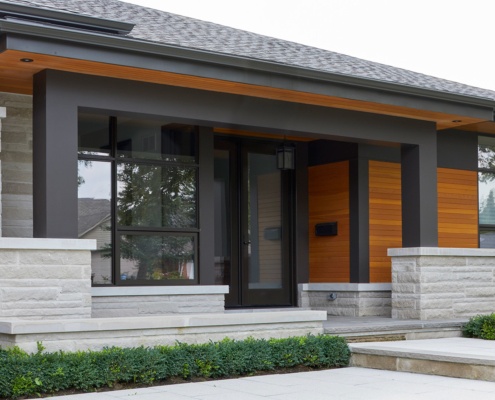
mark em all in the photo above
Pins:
pixel 480 326
pixel 40 373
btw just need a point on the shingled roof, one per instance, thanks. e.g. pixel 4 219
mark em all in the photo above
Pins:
pixel 171 29
pixel 92 213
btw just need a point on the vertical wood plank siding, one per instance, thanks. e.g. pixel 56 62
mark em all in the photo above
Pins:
pixel 329 201
pixel 457 208
pixel 385 217
pixel 329 256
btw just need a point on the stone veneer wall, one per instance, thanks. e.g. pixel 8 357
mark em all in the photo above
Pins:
pixel 16 159
pixel 442 283
pixel 351 299
pixel 45 278
pixel 157 300
pixel 2 116
pixel 97 333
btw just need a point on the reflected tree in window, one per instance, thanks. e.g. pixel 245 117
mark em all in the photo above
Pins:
pixel 487 209
pixel 486 157
pixel 157 196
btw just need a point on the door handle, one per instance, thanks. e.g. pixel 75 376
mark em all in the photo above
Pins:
pixel 246 243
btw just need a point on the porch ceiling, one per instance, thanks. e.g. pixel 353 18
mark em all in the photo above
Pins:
pixel 16 76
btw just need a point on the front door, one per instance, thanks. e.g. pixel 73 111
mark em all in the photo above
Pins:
pixel 252 223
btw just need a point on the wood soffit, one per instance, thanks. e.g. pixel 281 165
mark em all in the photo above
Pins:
pixel 17 77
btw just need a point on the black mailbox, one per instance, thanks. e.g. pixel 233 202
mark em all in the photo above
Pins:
pixel 326 229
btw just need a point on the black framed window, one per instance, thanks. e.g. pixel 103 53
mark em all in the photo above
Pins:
pixel 486 191
pixel 138 184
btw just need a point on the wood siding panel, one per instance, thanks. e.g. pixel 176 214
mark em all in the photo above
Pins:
pixel 329 256
pixel 457 208
pixel 385 217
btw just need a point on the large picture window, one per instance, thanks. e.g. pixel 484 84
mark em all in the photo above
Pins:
pixel 486 191
pixel 138 181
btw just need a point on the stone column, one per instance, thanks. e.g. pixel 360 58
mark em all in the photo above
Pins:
pixel 45 278
pixel 442 283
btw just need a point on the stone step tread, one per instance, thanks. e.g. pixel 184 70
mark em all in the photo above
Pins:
pixel 383 326
pixel 453 350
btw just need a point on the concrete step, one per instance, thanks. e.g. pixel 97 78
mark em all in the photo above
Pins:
pixel 377 329
pixel 454 357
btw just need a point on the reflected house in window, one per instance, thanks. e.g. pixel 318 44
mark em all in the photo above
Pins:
pixel 94 223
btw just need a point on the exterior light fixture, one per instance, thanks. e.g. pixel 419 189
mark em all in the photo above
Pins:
pixel 285 156
pixel 27 60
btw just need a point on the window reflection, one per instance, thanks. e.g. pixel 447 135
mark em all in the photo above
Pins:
pixel 486 187
pixel 138 186
pixel 94 134
pixel 156 196
pixel 156 140
pixel 157 257
pixel 94 215
pixel 486 191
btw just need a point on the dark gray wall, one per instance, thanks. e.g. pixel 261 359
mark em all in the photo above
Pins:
pixel 457 150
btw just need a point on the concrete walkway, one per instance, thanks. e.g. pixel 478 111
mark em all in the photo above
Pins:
pixel 342 384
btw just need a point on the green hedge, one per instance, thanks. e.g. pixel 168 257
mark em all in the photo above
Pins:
pixel 481 326
pixel 23 374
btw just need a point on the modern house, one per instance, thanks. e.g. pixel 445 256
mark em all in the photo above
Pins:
pixel 221 169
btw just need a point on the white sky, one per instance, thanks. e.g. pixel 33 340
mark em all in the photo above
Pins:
pixel 451 39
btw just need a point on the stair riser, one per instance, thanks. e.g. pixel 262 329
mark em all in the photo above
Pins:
pixel 431 367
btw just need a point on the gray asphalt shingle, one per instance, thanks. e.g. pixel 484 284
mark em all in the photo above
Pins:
pixel 172 29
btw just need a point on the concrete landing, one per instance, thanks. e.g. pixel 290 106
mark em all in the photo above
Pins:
pixel 453 357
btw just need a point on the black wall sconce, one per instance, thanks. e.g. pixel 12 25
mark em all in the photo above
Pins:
pixel 285 156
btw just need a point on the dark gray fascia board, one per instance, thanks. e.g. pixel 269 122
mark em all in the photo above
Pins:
pixel 9 10
pixel 135 46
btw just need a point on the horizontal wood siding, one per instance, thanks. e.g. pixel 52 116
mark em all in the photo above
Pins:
pixel 457 208
pixel 385 216
pixel 329 256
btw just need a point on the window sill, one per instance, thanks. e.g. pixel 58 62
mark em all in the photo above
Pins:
pixel 158 290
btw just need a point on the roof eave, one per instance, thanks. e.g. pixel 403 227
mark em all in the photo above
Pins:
pixel 127 44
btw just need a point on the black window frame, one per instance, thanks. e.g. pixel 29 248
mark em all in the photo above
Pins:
pixel 117 230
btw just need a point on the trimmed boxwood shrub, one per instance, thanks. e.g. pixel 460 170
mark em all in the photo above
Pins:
pixel 23 374
pixel 481 326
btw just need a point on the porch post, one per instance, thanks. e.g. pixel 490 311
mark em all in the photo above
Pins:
pixel 419 195
pixel 54 162
pixel 359 223
pixel 206 205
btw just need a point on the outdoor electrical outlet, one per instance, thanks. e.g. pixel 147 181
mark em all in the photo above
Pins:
pixel 332 296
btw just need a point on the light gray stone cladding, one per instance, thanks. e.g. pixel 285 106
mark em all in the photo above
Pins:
pixel 3 114
pixel 442 283
pixel 156 300
pixel 16 157
pixel 96 333
pixel 347 299
pixel 45 278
